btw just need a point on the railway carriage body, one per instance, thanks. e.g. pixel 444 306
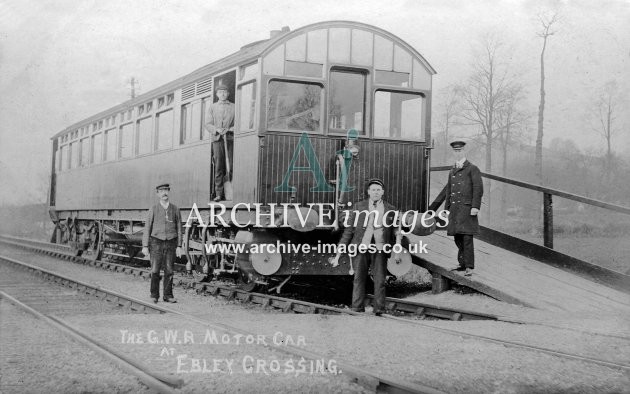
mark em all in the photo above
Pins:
pixel 318 111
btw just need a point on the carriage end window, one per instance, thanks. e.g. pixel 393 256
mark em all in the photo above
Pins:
pixel 398 115
pixel 294 106
pixel 346 109
pixel 392 78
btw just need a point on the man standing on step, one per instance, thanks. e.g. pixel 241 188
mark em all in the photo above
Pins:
pixel 219 123
pixel 161 242
pixel 464 190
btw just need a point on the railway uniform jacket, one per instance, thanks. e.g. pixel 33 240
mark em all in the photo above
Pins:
pixel 464 190
pixel 354 235
pixel 163 225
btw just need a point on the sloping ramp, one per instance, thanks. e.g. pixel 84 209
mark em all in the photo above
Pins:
pixel 516 279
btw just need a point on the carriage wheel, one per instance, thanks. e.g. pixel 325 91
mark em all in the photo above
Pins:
pixel 95 249
pixel 193 255
pixel 245 283
pixel 73 236
pixel 204 240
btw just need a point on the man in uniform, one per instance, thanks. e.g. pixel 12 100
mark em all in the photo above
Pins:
pixel 368 227
pixel 219 123
pixel 161 242
pixel 464 190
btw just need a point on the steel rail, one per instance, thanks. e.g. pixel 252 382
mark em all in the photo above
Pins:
pixel 516 344
pixel 161 384
pixel 267 300
pixel 366 378
pixel 409 308
pixel 288 305
pixel 414 309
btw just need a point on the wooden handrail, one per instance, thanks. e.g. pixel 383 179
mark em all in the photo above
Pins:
pixel 547 190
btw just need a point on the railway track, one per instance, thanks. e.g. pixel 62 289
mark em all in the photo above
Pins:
pixel 407 307
pixel 395 305
pixel 16 286
pixel 34 297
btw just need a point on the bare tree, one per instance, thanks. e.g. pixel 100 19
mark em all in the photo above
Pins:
pixel 605 111
pixel 512 121
pixel 545 33
pixel 449 110
pixel 487 92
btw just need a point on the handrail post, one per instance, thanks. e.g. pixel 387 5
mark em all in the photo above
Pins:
pixel 548 220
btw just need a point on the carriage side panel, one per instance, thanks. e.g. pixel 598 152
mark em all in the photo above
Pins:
pixel 400 164
pixel 130 184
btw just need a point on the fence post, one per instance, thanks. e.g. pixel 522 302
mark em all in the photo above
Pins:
pixel 547 220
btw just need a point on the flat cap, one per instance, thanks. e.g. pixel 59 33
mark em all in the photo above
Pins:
pixel 375 181
pixel 457 144
pixel 163 186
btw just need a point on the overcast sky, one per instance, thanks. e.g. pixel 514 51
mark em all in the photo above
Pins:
pixel 64 60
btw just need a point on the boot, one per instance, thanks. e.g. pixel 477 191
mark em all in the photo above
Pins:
pixel 155 286
pixel 168 286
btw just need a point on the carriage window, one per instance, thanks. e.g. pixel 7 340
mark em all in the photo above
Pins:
pixel 247 108
pixel 316 46
pixel 97 147
pixel 296 48
pixel 67 154
pixel 294 106
pixel 63 158
pixel 85 152
pixel 421 76
pixel 191 123
pixel 391 78
pixel 339 45
pixel 74 155
pixel 347 101
pixel 110 145
pixel 402 60
pixel 164 130
pixel 249 72
pixel 126 141
pixel 203 109
pixel 362 47
pixel 185 129
pixel 398 115
pixel 144 136
pixel 383 53
pixel 302 69
pixel 58 160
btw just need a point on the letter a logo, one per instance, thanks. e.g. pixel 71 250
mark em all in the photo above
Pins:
pixel 313 166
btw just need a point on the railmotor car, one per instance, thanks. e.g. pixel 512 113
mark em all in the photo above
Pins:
pixel 318 111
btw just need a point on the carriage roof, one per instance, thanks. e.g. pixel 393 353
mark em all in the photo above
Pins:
pixel 246 54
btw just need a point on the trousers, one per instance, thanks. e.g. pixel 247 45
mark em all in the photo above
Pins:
pixel 220 168
pixel 162 257
pixel 379 267
pixel 466 250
